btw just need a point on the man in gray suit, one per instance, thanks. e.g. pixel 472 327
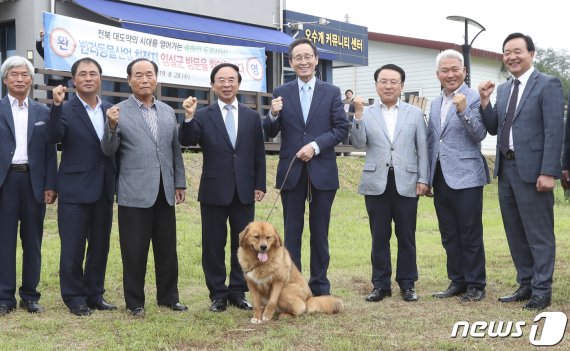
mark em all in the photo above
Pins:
pixel 395 173
pixel 143 132
pixel 528 121
pixel 458 172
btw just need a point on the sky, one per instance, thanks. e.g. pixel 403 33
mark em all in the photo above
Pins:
pixel 542 20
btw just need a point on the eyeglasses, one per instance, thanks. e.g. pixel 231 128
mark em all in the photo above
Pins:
pixel 300 58
pixel 386 82
pixel 224 81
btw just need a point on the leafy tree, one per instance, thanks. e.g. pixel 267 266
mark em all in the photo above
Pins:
pixel 555 63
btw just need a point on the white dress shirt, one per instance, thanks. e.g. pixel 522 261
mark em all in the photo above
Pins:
pixel 234 111
pixel 96 116
pixel 390 117
pixel 20 114
pixel 523 81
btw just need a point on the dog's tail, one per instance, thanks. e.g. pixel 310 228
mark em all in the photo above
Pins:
pixel 327 304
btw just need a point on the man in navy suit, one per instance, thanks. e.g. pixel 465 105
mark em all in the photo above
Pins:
pixel 28 165
pixel 86 186
pixel 233 178
pixel 528 121
pixel 458 173
pixel 309 114
pixel 565 180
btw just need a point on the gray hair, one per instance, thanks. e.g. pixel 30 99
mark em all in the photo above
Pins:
pixel 449 53
pixel 16 61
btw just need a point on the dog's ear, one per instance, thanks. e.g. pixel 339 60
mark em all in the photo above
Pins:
pixel 242 235
pixel 278 237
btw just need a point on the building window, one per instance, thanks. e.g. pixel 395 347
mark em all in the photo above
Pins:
pixel 7 44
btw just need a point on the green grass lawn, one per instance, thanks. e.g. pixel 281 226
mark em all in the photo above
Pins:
pixel 388 325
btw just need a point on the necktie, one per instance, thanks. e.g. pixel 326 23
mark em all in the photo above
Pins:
pixel 505 133
pixel 230 124
pixel 305 100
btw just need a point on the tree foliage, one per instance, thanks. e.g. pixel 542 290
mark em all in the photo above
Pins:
pixel 555 63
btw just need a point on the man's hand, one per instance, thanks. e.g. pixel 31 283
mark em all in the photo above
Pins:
pixel 50 196
pixel 190 107
pixel 113 117
pixel 565 180
pixel 306 153
pixel 276 106
pixel 486 88
pixel 258 195
pixel 358 104
pixel 460 102
pixel 58 94
pixel 421 189
pixel 179 195
pixel 544 183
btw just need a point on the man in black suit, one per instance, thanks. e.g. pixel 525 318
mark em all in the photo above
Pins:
pixel 565 180
pixel 28 165
pixel 310 116
pixel 528 121
pixel 86 186
pixel 233 178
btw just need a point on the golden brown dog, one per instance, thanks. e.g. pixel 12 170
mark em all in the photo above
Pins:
pixel 274 282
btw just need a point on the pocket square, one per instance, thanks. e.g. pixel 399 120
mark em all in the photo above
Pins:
pixel 40 123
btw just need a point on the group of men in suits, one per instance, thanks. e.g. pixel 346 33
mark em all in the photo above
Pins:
pixel 401 165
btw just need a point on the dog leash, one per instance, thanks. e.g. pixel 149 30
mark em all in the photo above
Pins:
pixel 281 188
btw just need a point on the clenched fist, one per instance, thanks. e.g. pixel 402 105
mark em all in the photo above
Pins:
pixel 485 90
pixel 190 107
pixel 460 102
pixel 358 104
pixel 276 106
pixel 58 94
pixel 113 117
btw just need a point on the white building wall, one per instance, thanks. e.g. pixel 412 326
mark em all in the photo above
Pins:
pixel 419 65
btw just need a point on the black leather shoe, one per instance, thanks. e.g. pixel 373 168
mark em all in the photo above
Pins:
pixel 378 295
pixel 452 290
pixel 5 309
pixel 240 302
pixel 521 294
pixel 178 307
pixel 137 312
pixel 81 311
pixel 102 305
pixel 538 302
pixel 409 295
pixel 218 305
pixel 473 295
pixel 31 306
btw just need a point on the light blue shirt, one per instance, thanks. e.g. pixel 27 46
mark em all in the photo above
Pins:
pixel 96 116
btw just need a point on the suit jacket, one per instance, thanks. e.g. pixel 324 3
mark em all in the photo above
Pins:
pixel 326 125
pixel 537 126
pixel 225 168
pixel 84 171
pixel 566 149
pixel 143 161
pixel 42 157
pixel 408 151
pixel 458 144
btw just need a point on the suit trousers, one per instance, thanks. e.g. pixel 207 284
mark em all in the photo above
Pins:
pixel 528 218
pixel 459 214
pixel 293 201
pixel 81 224
pixel 382 210
pixel 18 204
pixel 214 238
pixel 137 228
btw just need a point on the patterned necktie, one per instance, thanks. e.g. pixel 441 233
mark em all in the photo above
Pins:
pixel 230 124
pixel 505 133
pixel 305 100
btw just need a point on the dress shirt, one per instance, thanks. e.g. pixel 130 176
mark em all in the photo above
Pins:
pixel 150 115
pixel 390 117
pixel 20 114
pixel 523 81
pixel 234 110
pixel 446 102
pixel 96 116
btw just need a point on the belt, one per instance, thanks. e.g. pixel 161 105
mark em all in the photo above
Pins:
pixel 24 167
pixel 509 155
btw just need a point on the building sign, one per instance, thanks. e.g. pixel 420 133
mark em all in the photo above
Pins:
pixel 179 61
pixel 348 41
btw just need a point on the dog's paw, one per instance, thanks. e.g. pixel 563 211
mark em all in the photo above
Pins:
pixel 256 321
pixel 267 318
